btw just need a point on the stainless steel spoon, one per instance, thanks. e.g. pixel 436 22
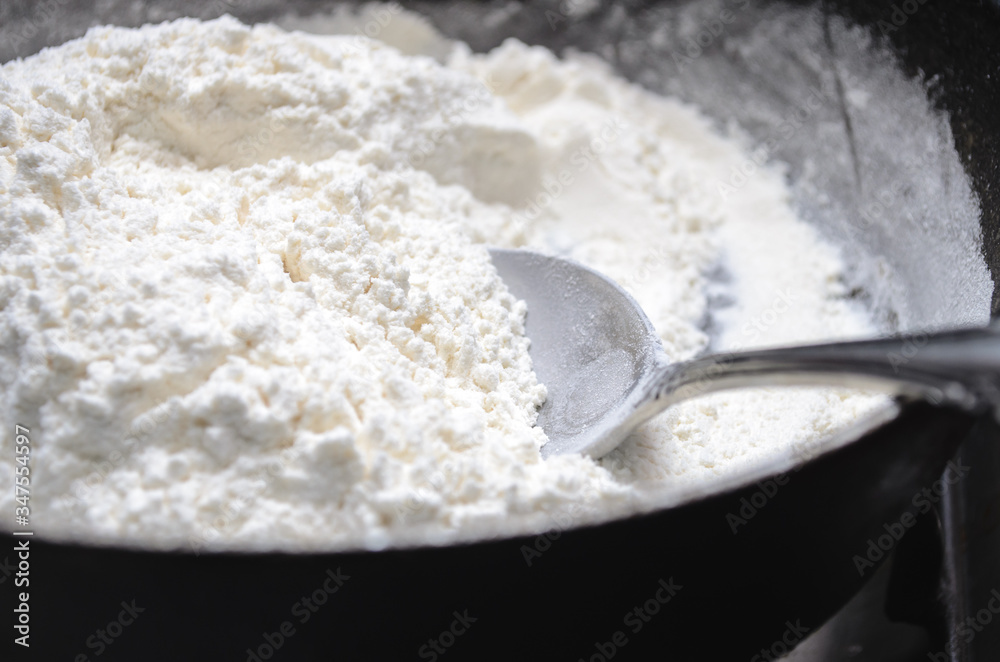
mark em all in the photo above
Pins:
pixel 606 372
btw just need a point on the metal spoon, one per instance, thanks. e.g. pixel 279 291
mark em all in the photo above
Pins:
pixel 606 372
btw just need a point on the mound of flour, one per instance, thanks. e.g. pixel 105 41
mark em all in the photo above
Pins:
pixel 246 298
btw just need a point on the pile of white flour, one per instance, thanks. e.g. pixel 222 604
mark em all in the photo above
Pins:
pixel 246 298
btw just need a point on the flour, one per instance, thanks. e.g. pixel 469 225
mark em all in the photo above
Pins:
pixel 247 300
pixel 653 213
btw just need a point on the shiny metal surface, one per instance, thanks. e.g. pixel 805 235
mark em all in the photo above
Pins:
pixel 598 355
pixel 590 345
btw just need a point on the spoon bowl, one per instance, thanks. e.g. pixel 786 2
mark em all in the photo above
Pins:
pixel 591 345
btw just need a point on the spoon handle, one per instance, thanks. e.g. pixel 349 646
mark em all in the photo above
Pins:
pixel 955 368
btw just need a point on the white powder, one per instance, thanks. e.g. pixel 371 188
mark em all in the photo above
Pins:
pixel 652 214
pixel 246 299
